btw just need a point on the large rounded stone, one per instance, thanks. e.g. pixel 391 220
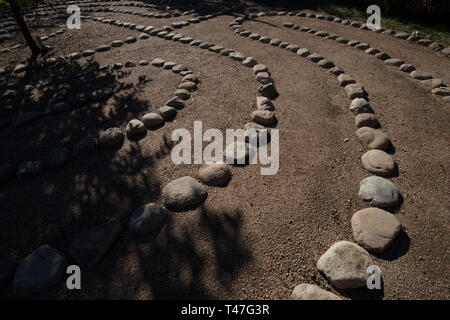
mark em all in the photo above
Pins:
pixel 152 120
pixel 39 271
pixel 378 162
pixel 111 138
pixel 147 219
pixel 215 174
pixel 183 193
pixel 375 229
pixel 345 265
pixel 306 291
pixel 379 192
pixel 135 128
pixel 373 138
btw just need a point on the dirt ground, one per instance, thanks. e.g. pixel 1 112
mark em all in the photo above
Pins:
pixel 260 236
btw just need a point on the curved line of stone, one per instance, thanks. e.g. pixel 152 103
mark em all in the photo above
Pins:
pixel 359 106
pixel 427 81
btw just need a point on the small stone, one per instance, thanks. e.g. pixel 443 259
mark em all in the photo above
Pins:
pixel 431 84
pixel 57 157
pixel 263 103
pixel 373 138
pixel 259 68
pixel 379 192
pixel 378 162
pixel 103 48
pixel 111 138
pixel 375 229
pixel 178 68
pixel 307 291
pixel 366 120
pixel 275 42
pixel 39 271
pixel 355 90
pixel 89 246
pixel 167 112
pixel 264 77
pixel 345 265
pixel 402 35
pixel 169 65
pixel 336 71
pixel 372 51
pixel 144 63
pixel 183 193
pixel 176 102
pixel 130 40
pixel 420 75
pixel 353 43
pixel 249 62
pixel 143 36
pixel 263 117
pixel 216 174
pixel 407 68
pixel 237 56
pixel 87 53
pixel 130 64
pixel 436 46
pixel 135 128
pixel 268 91
pixel 345 79
pixel 190 78
pixel 382 56
pixel 147 219
pixel 254 36
pixel 183 94
pixel 293 48
pixel 20 68
pixel 326 64
pixel 342 40
pixel 424 42
pixel 158 62
pixel 264 39
pixel 314 57
pixel 152 120
pixel 441 91
pixel 322 34
pixel 394 62
pixel 362 46
pixel 29 169
pixel 190 86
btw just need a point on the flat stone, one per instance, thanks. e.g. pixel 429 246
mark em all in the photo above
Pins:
pixel 183 193
pixel 263 77
pixel 275 42
pixel 87 53
pixel 394 62
pixel 322 34
pixel 362 46
pixel 216 49
pixel 158 62
pixel 379 192
pixel 20 68
pixel 7 270
pixel 130 64
pixel 135 128
pixel 254 36
pixel 407 68
pixel 382 56
pixel 353 43
pixel 326 64
pixel 342 40
pixel 378 162
pixel 303 52
pixel 292 48
pixel 103 48
pixel 249 62
pixel 424 42
pixel 345 265
pixel 169 65
pixel 431 84
pixel 176 102
pixel 372 51
pixel 441 91
pixel 57 157
pixel 237 56
pixel 111 138
pixel 178 68
pixel 216 174
pixel 283 45
pixel 402 35
pixel 39 271
pixel 366 120
pixel 167 112
pixel 446 51
pixel 29 169
pixel 314 57
pixel 355 90
pixel 345 79
pixel 188 85
pixel 306 291
pixel 152 120
pixel 259 68
pixel 268 91
pixel 183 94
pixel 336 71
pixel 375 229
pixel 373 138
pixel 147 219
pixel 264 39
pixel 436 46
pixel 420 75
pixel 144 63
pixel 89 246
pixel 190 78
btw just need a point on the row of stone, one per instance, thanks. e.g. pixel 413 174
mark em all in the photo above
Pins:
pixel 345 263
pixel 436 86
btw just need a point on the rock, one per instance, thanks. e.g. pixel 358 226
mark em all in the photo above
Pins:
pixel 130 64
pixel 190 78
pixel 345 79
pixel 436 46
pixel 143 36
pixel 144 63
pixel 57 157
pixel 372 51
pixel 263 117
pixel 345 265
pixel 379 192
pixel 264 78
pixel 441 91
pixel 314 57
pixel 382 56
pixel 264 39
pixel 303 52
pixel 293 48
pixel 7 171
pixel 84 147
pixel 158 62
pixel 130 40
pixel 402 35
pixel 29 169
pixel 275 42
pixel 39 271
pixel 111 138
pixel 167 112
pixel 183 193
pixel 378 162
pixel 116 43
pixel 362 46
pixel 326 64
pixel 424 42
pixel 373 138
pixel 336 71
pixel 237 56
pixel 20 68
pixel 147 219
pixel 431 84
pixel 375 229
pixel 183 94
pixel 103 48
pixel 135 128
pixel 322 34
pixel 407 67
pixel 216 174
pixel 263 103
pixel 190 86
pixel 446 51
pixel 259 68
pixel 249 62
pixel 394 62
pixel 420 75
pixel 283 45
pixel 178 68
pixel 176 102
pixel 216 49
pixel 152 120
pixel 353 43
pixel 342 40
pixel 307 291
pixel 254 36
pixel 89 246
pixel 87 53
pixel 268 91
pixel 169 65
pixel 7 269
pixel 355 90
pixel 366 120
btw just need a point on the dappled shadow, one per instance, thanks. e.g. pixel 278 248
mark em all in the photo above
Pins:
pixel 398 248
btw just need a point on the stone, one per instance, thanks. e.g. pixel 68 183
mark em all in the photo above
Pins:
pixel 345 265
pixel 402 35
pixel 424 42
pixel 342 40
pixel 375 229
pixel 186 40
pixel 382 56
pixel 183 94
pixel 407 68
pixel 237 153
pixel 353 43
pixel 373 138
pixel 190 86
pixel 29 169
pixel 419 75
pixel 394 62
pixel 103 48
pixel 388 32
pixel 84 147
pixel 446 51
pixel 176 102
pixel 183 193
pixel 42 269
pixel 249 62
pixel 283 45
pixel 87 53
pixel 366 120
pixel 336 71
pixel 314 57
pixel 355 90
pixel 379 192
pixel 237 56
pixel 345 79
pixel 130 40
pixel 303 52
pixel 254 36
pixel 143 63
pixel 178 68
pixel 264 78
pixel 7 270
pixel 135 128
pixel 436 46
pixel 263 117
pixel 431 84
pixel 215 174
pixel 362 46
pixel 355 24
pixel 169 65
pixel 111 138
pixel 158 62
pixel 20 68
pixel 288 25
pixel 143 36
pixel 268 91
pixel 130 64
pixel 167 112
pixel 216 49
pixel 372 51
pixel 264 39
pixel 441 91
pixel 326 64
pixel 147 219
pixel 306 291
pixel 88 247
pixel 378 162
pixel 57 157
pixel 152 120
pixel 259 68
pixel 263 103
pixel 293 48
pixel 275 42
pixel 190 78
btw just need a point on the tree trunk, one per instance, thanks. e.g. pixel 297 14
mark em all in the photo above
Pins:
pixel 35 49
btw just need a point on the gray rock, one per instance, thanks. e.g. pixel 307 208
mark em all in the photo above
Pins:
pixel 315 57
pixel 39 271
pixel 441 91
pixel 355 90
pixel 183 94
pixel 188 85
pixel 362 46
pixel 375 229
pixel 326 64
pixel 169 65
pixel 402 35
pixel 373 138
pixel 135 128
pixel 264 78
pixel 379 192
pixel 394 62
pixel 216 174
pixel 103 48
pixel 259 68
pixel 158 62
pixel 268 91
pixel 263 117
pixel 190 78
pixel 183 193
pixel 372 51
pixel 420 75
pixel 147 219
pixel 89 246
pixel 237 56
pixel 378 162
pixel 178 68
pixel 382 56
pixel 431 84
pixel 130 40
pixel 249 62
pixel 345 265
pixel 167 112
pixel 111 138
pixel 345 79
pixel 152 120
pixel 407 68
pixel 306 291
pixel 176 102
pixel 366 120
pixel 57 157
